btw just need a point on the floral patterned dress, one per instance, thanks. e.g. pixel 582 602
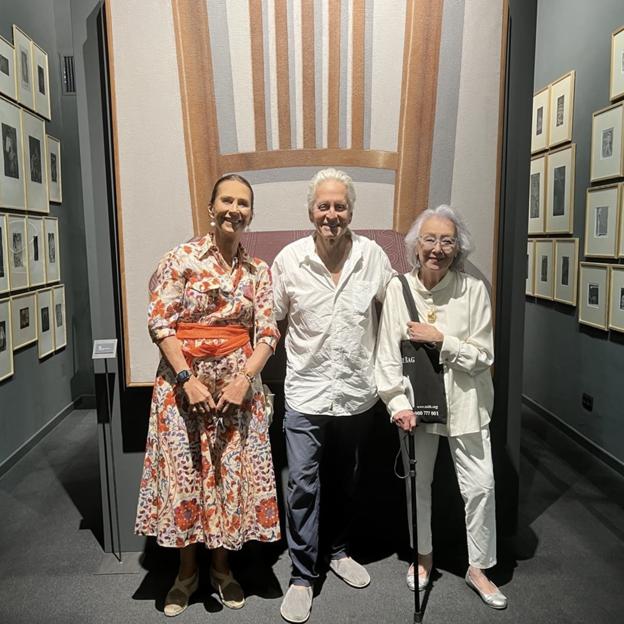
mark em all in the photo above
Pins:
pixel 205 478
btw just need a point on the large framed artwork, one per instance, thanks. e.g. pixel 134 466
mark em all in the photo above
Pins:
pixel 33 131
pixel 55 184
pixel 6 342
pixel 41 82
pixel 561 110
pixel 602 214
pixel 594 294
pixel 23 61
pixel 12 189
pixel 537 194
pixel 529 287
pixel 52 250
pixel 607 155
pixel 60 315
pixel 544 272
pixel 5 283
pixel 566 262
pixel 18 252
pixel 23 320
pixel 616 81
pixel 8 86
pixel 36 251
pixel 539 124
pixel 560 191
pixel 616 304
pixel 45 335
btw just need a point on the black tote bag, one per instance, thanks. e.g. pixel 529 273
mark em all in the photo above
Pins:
pixel 421 365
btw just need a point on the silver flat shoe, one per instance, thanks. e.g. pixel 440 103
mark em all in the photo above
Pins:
pixel 423 583
pixel 497 600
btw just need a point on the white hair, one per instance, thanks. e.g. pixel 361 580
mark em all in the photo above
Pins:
pixel 331 174
pixel 464 239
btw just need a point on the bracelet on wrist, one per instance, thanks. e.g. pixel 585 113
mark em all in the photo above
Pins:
pixel 247 376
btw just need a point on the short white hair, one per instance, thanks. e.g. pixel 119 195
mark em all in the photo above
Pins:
pixel 464 239
pixel 331 174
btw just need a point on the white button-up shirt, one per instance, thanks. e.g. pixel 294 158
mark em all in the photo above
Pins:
pixel 330 341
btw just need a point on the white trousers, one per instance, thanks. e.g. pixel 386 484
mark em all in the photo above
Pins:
pixel 472 458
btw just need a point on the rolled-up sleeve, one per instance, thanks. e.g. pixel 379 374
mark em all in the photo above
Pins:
pixel 166 289
pixel 264 312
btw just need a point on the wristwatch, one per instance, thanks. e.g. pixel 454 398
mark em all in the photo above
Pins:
pixel 183 376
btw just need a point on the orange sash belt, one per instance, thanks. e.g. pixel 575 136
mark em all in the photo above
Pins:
pixel 227 339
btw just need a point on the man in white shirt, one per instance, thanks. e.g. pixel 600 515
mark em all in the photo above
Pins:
pixel 326 285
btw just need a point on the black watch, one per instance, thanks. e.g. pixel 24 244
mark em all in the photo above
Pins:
pixel 183 376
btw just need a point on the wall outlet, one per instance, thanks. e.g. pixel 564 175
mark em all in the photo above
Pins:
pixel 588 402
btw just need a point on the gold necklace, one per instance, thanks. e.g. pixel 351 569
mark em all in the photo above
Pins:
pixel 431 315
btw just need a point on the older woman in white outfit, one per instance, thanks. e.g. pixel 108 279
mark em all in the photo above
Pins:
pixel 455 314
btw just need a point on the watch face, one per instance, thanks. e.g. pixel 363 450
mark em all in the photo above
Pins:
pixel 183 376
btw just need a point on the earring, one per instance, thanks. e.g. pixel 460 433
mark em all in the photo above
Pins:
pixel 212 223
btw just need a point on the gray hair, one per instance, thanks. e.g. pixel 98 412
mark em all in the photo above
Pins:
pixel 331 174
pixel 464 239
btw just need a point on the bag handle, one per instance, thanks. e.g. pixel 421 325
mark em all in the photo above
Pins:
pixel 409 299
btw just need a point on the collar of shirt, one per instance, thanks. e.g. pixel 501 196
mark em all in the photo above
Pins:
pixel 207 245
pixel 444 283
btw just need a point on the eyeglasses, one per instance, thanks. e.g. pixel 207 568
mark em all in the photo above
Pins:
pixel 447 243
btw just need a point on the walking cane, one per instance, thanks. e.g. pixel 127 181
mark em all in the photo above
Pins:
pixel 412 475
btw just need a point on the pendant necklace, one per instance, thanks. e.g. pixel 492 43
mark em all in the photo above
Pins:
pixel 431 315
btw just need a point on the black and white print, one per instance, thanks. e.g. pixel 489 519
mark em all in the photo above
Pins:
pixel 59 314
pixel 544 269
pixel 539 121
pixel 593 295
pixel 559 183
pixel 53 168
pixel 9 151
pixel 41 79
pixel 606 148
pixel 34 146
pixel 560 106
pixel 4 65
pixel 24 316
pixel 3 340
pixel 51 248
pixel 601 221
pixel 534 205
pixel 45 319
pixel 18 250
pixel 565 270
pixel 25 70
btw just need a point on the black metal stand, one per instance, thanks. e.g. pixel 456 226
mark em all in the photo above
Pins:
pixel 412 475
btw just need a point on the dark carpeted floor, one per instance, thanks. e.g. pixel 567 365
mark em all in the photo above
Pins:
pixel 566 564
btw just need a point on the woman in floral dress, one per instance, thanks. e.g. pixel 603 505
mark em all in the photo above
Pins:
pixel 208 474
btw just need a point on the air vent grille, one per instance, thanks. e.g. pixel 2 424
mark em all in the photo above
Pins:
pixel 69 77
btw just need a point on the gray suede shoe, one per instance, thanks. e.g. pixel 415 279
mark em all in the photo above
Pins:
pixel 297 604
pixel 350 571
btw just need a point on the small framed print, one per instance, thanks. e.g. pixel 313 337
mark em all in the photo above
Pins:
pixel 12 189
pixel 6 343
pixel 41 82
pixel 36 251
pixel 5 283
pixel 45 335
pixel 616 307
pixel 561 110
pixel 60 330
pixel 594 294
pixel 8 86
pixel 537 194
pixel 560 191
pixel 52 249
pixel 601 220
pixel 18 252
pixel 566 262
pixel 616 81
pixel 55 185
pixel 23 320
pixel 607 156
pixel 33 132
pixel 544 270
pixel 539 125
pixel 529 287
pixel 23 62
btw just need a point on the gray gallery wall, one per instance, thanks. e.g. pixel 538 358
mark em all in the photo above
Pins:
pixel 41 392
pixel 562 359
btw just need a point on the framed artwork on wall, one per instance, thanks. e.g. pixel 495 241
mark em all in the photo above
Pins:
pixel 561 110
pixel 593 294
pixel 24 73
pixel 616 80
pixel 537 194
pixel 36 251
pixel 5 283
pixel 12 189
pixel 560 191
pixel 544 271
pixel 41 81
pixel 36 174
pixel 55 185
pixel 601 221
pixel 23 320
pixel 45 335
pixel 607 156
pixel 8 86
pixel 616 306
pixel 60 326
pixel 18 252
pixel 52 250
pixel 529 287
pixel 539 124
pixel 566 263
pixel 6 342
